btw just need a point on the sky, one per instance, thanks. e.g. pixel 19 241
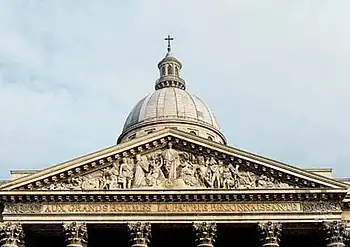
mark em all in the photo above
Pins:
pixel 275 73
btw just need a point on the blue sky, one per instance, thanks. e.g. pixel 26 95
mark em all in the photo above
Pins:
pixel 275 73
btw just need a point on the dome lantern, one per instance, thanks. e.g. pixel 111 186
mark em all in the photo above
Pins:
pixel 169 70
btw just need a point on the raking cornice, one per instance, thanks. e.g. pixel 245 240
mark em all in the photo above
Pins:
pixel 157 140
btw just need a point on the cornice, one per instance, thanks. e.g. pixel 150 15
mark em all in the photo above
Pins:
pixel 88 162
pixel 158 140
pixel 335 195
pixel 283 167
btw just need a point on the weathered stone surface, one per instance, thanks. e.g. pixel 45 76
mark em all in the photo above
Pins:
pixel 107 207
pixel 270 233
pixel 11 235
pixel 336 234
pixel 162 207
pixel 205 234
pixel 139 234
pixel 76 234
pixel 321 207
pixel 170 168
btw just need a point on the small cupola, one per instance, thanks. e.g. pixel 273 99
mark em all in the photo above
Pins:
pixel 169 70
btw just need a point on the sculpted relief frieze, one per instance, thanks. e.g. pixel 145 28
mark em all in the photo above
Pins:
pixel 170 168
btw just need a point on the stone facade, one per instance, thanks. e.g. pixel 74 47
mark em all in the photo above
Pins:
pixel 207 192
pixel 170 168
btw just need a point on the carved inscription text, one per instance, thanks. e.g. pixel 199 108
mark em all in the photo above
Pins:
pixel 155 208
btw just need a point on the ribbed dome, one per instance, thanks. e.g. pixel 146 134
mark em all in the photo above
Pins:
pixel 170 103
pixel 171 106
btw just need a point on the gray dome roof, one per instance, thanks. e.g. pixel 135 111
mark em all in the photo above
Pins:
pixel 170 103
pixel 171 106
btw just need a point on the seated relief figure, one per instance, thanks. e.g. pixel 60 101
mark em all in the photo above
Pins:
pixel 170 168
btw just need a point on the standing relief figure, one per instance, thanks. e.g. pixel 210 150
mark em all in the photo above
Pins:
pixel 228 181
pixel 142 167
pixel 203 172
pixel 126 173
pixel 171 161
pixel 215 170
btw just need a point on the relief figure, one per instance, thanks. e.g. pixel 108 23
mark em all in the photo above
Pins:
pixel 155 175
pixel 126 173
pixel 204 175
pixel 227 180
pixel 187 171
pixel 247 180
pixel 215 170
pixel 171 168
pixel 109 179
pixel 141 168
pixel 171 161
pixel 90 182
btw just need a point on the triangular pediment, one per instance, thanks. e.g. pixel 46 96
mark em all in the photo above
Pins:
pixel 171 159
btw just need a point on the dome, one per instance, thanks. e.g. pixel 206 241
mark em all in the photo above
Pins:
pixel 171 106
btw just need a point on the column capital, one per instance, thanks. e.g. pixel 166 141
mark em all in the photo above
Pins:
pixel 139 233
pixel 205 234
pixel 336 234
pixel 11 235
pixel 76 234
pixel 270 233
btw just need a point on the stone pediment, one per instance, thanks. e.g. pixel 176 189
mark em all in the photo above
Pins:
pixel 171 159
pixel 170 168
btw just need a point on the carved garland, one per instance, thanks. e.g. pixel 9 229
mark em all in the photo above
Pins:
pixel 72 176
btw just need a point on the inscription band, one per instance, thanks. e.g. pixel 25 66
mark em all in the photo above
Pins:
pixel 78 208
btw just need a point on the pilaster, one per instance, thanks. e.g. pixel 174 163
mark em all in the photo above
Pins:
pixel 76 234
pixel 336 234
pixel 270 233
pixel 205 234
pixel 11 235
pixel 139 234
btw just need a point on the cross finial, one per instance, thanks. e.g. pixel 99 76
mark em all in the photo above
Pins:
pixel 169 39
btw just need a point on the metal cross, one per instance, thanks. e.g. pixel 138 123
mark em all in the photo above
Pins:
pixel 169 39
